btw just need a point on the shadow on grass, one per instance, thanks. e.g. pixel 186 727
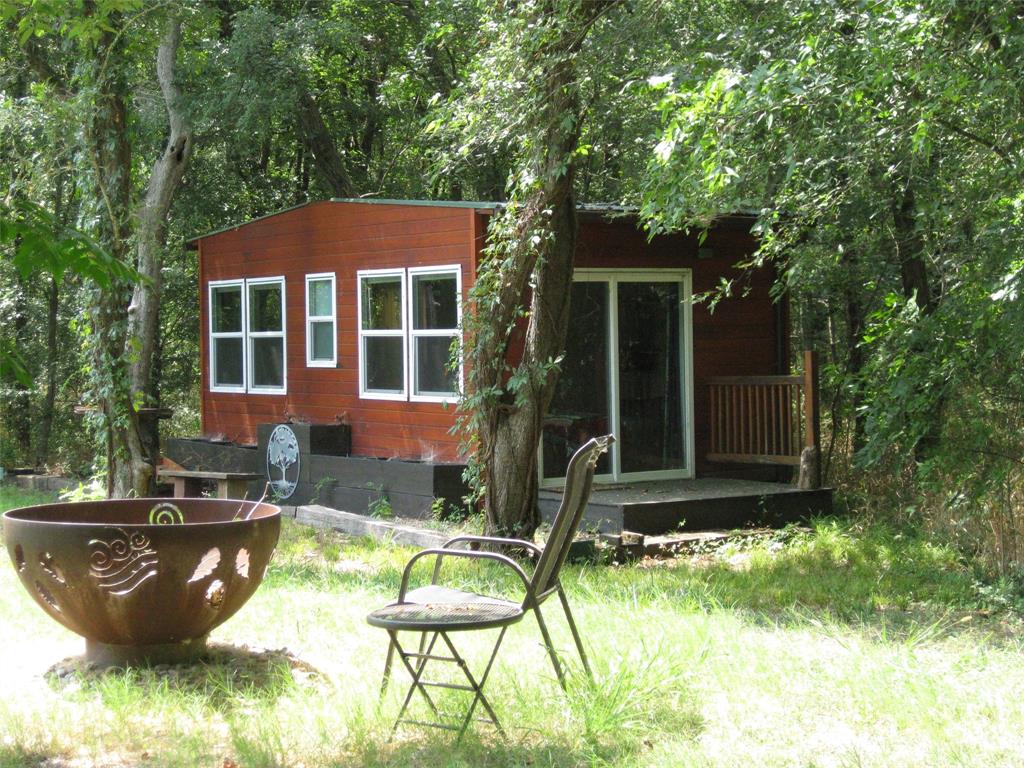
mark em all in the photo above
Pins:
pixel 483 754
pixel 15 756
pixel 614 719
pixel 616 742
pixel 225 678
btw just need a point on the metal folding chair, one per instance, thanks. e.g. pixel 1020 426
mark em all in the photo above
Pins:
pixel 436 611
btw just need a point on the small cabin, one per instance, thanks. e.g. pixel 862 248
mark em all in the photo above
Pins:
pixel 337 318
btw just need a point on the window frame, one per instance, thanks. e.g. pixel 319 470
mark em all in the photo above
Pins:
pixel 332 318
pixel 251 335
pixel 407 334
pixel 247 336
pixel 401 333
pixel 212 285
pixel 456 332
pixel 612 277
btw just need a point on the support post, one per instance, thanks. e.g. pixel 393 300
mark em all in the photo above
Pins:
pixel 810 458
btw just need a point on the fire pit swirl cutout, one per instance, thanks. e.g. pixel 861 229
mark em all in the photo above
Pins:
pixel 121 564
pixel 142 580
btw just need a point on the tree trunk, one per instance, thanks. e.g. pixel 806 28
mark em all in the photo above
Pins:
pixel 109 151
pixel 855 317
pixel 320 144
pixel 62 216
pixel 125 317
pixel 910 250
pixel 510 502
pixel 128 470
pixel 537 253
pixel 20 411
pixel 164 179
pixel 52 362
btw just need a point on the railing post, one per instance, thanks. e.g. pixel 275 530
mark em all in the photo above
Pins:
pixel 810 476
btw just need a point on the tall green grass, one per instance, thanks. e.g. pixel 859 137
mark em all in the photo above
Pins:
pixel 833 646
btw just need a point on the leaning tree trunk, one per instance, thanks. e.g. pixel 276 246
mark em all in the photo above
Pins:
pixel 536 255
pixel 318 141
pixel 109 151
pixel 125 316
pixel 164 179
pixel 510 499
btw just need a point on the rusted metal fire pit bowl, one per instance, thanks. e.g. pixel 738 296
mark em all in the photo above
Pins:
pixel 143 580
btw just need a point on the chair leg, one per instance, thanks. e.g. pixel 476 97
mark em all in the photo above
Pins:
pixel 477 687
pixel 392 644
pixel 425 654
pixel 575 632
pixel 387 665
pixel 550 646
pixel 416 673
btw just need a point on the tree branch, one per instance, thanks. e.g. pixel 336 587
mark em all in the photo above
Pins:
pixel 987 143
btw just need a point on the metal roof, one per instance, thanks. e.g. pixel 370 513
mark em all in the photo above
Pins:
pixel 481 206
pixel 603 210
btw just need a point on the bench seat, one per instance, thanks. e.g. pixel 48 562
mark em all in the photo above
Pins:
pixel 189 482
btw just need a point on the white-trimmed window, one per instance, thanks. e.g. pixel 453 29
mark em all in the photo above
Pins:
pixel 382 334
pixel 266 335
pixel 321 321
pixel 408 320
pixel 433 328
pixel 227 336
pixel 247 336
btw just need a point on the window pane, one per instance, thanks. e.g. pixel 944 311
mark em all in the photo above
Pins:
pixel 650 377
pixel 320 298
pixel 268 362
pixel 265 307
pixel 433 374
pixel 227 309
pixel 322 341
pixel 382 357
pixel 382 303
pixel 227 362
pixel 435 301
pixel 579 409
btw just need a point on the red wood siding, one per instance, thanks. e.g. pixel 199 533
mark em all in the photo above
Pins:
pixel 739 338
pixel 341 238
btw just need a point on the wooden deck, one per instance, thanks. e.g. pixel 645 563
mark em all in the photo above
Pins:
pixel 693 505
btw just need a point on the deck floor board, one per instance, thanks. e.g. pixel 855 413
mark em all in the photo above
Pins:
pixel 661 506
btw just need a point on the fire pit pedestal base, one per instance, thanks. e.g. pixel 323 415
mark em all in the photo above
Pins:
pixel 106 655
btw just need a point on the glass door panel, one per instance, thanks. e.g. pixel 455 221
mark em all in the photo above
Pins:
pixel 580 408
pixel 651 437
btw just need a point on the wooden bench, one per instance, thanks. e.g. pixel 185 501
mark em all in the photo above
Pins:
pixel 230 485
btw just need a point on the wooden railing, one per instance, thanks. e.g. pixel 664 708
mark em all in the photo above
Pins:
pixel 765 419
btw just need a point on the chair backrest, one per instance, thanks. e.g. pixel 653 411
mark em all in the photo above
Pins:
pixel 578 479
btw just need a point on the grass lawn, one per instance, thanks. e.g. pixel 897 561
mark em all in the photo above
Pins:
pixel 829 648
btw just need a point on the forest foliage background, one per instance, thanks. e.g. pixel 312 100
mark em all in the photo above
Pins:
pixel 880 144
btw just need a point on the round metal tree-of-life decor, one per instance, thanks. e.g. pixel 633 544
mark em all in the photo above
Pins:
pixel 142 580
pixel 283 456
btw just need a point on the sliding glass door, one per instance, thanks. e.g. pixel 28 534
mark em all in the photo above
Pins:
pixel 582 403
pixel 627 370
